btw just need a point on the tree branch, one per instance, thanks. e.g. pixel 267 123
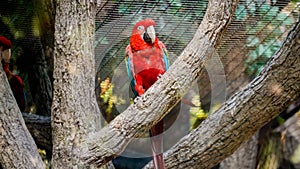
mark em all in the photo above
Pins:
pixel 17 146
pixel 243 114
pixel 102 146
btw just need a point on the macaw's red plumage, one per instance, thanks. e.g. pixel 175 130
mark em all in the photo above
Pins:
pixel 147 56
pixel 16 82
pixel 17 86
pixel 146 61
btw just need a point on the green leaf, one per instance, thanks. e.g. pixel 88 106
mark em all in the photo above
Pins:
pixel 281 16
pixel 251 7
pixel 268 53
pixel 241 12
pixel 272 13
pixel 265 7
pixel 259 69
pixel 288 21
pixel 252 41
pixel 274 1
pixel 280 120
pixel 261 49
pixel 252 56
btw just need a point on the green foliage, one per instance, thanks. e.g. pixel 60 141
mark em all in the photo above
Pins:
pixel 280 120
pixel 248 8
pixel 126 6
pixel 197 113
pixel 107 95
pixel 12 18
pixel 265 35
pixel 177 8
pixel 241 12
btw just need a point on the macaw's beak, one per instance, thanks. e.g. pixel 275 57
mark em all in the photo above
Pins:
pixel 149 35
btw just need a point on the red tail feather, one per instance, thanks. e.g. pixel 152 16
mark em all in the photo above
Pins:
pixel 157 145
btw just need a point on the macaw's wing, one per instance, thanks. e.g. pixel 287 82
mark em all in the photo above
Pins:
pixel 130 68
pixel 165 58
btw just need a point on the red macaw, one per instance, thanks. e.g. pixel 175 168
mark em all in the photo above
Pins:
pixel 146 60
pixel 15 81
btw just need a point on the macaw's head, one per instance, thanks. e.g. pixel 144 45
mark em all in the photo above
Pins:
pixel 143 34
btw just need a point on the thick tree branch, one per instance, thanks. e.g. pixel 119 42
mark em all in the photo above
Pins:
pixel 244 113
pixel 148 109
pixel 18 149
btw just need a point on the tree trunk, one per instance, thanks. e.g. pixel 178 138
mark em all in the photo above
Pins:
pixel 18 149
pixel 75 112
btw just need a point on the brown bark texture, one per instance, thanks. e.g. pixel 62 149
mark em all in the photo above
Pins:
pixel 104 145
pixel 276 87
pixel 244 157
pixel 18 149
pixel 74 110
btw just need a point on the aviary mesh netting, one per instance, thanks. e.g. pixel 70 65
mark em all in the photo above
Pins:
pixel 255 34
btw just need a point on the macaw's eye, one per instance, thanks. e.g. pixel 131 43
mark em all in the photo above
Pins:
pixel 140 28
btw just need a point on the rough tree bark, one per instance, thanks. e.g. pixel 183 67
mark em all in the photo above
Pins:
pixel 18 149
pixel 104 145
pixel 74 110
pixel 244 157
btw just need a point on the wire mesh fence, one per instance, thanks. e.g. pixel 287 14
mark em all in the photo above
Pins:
pixel 256 32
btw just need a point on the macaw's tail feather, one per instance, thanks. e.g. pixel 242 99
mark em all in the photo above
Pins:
pixel 157 145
